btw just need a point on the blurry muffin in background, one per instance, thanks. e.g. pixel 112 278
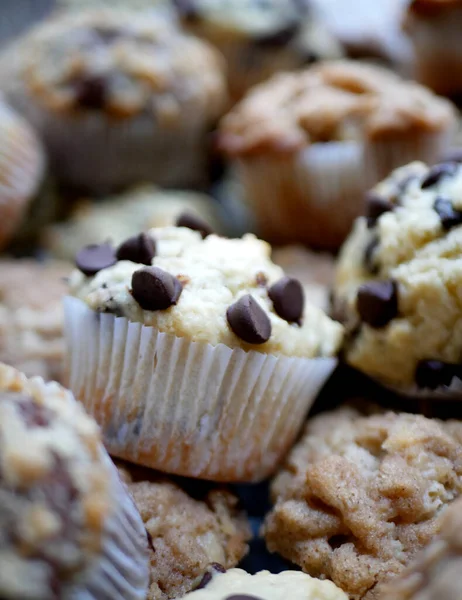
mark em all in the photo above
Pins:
pixel 259 38
pixel 119 217
pixel 314 270
pixel 307 145
pixel 434 29
pixel 22 163
pixel 31 316
pixel 118 97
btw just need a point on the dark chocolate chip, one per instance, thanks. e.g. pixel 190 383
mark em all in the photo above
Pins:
pixel 187 10
pixel 288 299
pixel 155 289
pixel 261 279
pixel 369 262
pixel 431 374
pixel 206 579
pixel 95 257
pixel 191 221
pixel 34 415
pixel 107 35
pixel 278 38
pixel 249 321
pixel 375 207
pixel 217 567
pixel 449 216
pixel 377 303
pixel 437 172
pixel 243 597
pixel 91 92
pixel 138 249
pixel 150 542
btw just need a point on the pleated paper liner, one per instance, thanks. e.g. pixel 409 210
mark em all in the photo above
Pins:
pixel 188 408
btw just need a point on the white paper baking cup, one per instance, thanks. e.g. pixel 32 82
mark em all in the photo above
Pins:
pixel 315 195
pixel 186 407
pixel 121 569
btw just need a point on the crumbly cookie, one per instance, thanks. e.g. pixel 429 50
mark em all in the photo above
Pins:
pixel 215 274
pixel 187 535
pixel 118 217
pixel 31 316
pixel 398 278
pixel 264 585
pixel 360 495
pixel 66 522
pixel 435 573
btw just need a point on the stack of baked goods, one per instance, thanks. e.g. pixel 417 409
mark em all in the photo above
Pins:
pixel 231 302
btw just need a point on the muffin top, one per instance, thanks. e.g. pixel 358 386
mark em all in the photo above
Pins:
pixel 117 217
pixel 332 101
pixel 54 489
pixel 121 63
pixel 189 535
pixel 209 289
pixel 264 585
pixel 399 277
pixel 360 495
pixel 435 573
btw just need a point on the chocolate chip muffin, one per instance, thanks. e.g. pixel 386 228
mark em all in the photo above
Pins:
pixel 435 573
pixel 265 586
pixel 118 217
pixel 68 528
pixel 307 145
pixel 433 27
pixel 195 353
pixel 189 536
pixel 22 164
pixel 31 316
pixel 397 281
pixel 119 97
pixel 259 38
pixel 360 495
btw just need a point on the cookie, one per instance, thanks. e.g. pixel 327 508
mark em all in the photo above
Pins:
pixel 359 495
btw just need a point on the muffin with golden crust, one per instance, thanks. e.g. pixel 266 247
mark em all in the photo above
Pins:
pixel 308 144
pixel 360 495
pixel 118 97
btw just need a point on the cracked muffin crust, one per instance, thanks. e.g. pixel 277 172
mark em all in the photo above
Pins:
pixel 308 144
pixel 397 280
pixel 264 585
pixel 60 499
pixel 359 495
pixel 31 316
pixel 124 90
pixel 188 536
pixel 435 573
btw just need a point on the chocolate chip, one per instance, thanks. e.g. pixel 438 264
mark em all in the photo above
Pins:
pixel 34 415
pixel 375 207
pixel 150 542
pixel 377 303
pixel 94 258
pixel 138 249
pixel 192 221
pixel 107 35
pixel 187 10
pixel 431 374
pixel 278 38
pixel 449 216
pixel 261 279
pixel 249 321
pixel 155 289
pixel 243 597
pixel 217 567
pixel 91 92
pixel 437 172
pixel 288 299
pixel 369 263
pixel 206 579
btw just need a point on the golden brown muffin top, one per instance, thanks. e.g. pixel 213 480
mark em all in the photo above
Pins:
pixel 187 535
pixel 332 101
pixel 360 495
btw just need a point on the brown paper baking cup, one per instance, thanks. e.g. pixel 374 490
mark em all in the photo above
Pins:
pixel 186 407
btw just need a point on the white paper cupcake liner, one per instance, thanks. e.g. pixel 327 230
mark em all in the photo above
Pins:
pixel 121 571
pixel 185 407
pixel 314 196
pixel 100 154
